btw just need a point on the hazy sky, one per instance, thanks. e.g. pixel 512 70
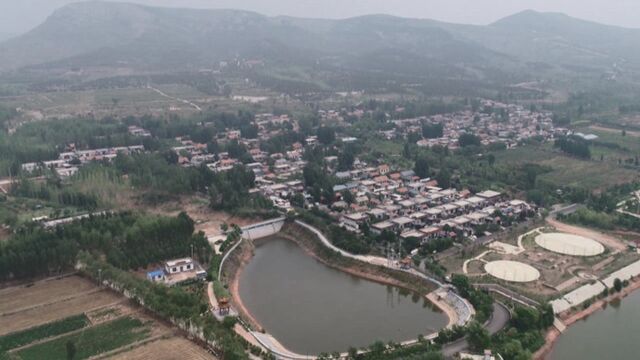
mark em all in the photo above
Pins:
pixel 18 16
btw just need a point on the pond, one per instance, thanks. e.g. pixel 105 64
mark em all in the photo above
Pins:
pixel 611 333
pixel 312 308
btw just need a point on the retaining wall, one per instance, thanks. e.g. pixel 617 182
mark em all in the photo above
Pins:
pixel 262 229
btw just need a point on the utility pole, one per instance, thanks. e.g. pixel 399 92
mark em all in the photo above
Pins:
pixel 192 251
pixel 100 276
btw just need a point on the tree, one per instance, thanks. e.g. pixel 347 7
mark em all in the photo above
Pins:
pixel 478 337
pixel 421 167
pixel 546 316
pixel 444 179
pixel 377 349
pixel 410 243
pixel 491 159
pixel 461 283
pixel 348 197
pixel 536 196
pixel 432 131
pixel 229 322
pixel 213 147
pixel 346 158
pixel 326 135
pixel 413 137
pixel 574 145
pixel 406 151
pixel 525 318
pixel 297 200
pixel 617 284
pixel 71 350
pixel 433 355
pixel 513 350
pixel 468 140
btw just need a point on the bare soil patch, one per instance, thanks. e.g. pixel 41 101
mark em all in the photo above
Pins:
pixel 166 349
pixel 56 311
pixel 207 220
pixel 42 292
pixel 4 233
pixel 109 313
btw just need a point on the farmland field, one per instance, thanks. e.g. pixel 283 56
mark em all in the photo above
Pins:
pixel 21 297
pixel 28 336
pixel 55 311
pixel 166 349
pixel 40 319
pixel 90 342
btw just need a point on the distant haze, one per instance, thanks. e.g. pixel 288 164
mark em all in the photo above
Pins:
pixel 18 16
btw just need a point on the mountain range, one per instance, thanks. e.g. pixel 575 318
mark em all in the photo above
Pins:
pixel 525 46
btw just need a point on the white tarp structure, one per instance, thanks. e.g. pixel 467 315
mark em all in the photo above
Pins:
pixel 625 273
pixel 577 297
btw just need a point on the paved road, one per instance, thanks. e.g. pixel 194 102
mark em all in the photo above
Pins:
pixel 566 210
pixel 497 322
pixel 514 296
pixel 499 319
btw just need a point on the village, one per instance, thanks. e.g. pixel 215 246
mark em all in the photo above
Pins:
pixel 375 197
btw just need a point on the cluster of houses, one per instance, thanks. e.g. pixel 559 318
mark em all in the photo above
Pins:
pixel 404 204
pixel 491 121
pixel 279 193
pixel 69 161
pixel 271 167
pixel 177 271
pixel 506 123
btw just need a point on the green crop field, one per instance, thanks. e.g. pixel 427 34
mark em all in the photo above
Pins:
pixel 55 328
pixel 93 341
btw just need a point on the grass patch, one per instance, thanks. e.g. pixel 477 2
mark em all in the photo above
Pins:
pixel 55 328
pixel 220 291
pixel 568 171
pixel 96 340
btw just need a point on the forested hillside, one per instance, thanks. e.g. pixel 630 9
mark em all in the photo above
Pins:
pixel 314 54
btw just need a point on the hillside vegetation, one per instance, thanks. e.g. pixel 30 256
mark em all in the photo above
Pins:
pixel 303 55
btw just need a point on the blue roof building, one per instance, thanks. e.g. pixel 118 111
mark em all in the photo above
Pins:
pixel 156 275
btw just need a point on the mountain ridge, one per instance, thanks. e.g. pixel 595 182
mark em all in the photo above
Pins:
pixel 146 38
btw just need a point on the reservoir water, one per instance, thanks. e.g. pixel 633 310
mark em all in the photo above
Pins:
pixel 311 308
pixel 612 333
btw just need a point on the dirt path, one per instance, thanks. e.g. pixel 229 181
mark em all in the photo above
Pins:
pixel 616 131
pixel 175 98
pixel 605 239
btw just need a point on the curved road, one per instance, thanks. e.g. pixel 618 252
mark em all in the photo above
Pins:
pixel 499 319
